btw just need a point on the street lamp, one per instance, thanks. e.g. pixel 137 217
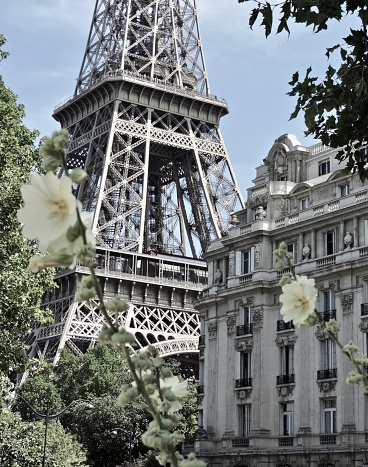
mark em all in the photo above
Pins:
pixel 88 408
pixel 114 433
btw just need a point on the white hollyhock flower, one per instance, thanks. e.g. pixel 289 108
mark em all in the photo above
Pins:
pixel 177 387
pixel 49 209
pixel 298 300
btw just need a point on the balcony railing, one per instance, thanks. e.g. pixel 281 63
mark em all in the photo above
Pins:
pixel 282 326
pixel 243 383
pixel 244 329
pixel 202 340
pixel 200 389
pixel 327 374
pixel 327 439
pixel 286 441
pixel 285 379
pixel 364 309
pixel 329 314
pixel 240 442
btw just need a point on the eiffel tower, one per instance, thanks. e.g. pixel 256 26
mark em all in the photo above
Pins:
pixel 160 186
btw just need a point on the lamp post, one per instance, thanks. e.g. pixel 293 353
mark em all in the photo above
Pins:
pixel 88 408
pixel 114 433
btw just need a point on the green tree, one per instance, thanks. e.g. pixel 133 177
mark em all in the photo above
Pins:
pixel 336 107
pixel 98 376
pixel 21 443
pixel 20 291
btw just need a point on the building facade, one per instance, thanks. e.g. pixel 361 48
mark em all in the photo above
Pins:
pixel 271 394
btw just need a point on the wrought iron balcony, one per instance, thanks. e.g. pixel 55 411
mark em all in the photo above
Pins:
pixel 328 314
pixel 200 389
pixel 244 329
pixel 285 379
pixel 202 340
pixel 282 326
pixel 243 383
pixel 327 374
pixel 364 309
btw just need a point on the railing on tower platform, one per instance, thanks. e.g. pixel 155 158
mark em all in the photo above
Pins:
pixel 158 267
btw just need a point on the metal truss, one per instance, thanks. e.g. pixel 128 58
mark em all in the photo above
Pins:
pixel 155 38
pixel 160 185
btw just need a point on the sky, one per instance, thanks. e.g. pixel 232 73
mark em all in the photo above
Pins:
pixel 47 39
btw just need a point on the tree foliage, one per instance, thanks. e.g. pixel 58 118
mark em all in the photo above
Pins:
pixel 98 376
pixel 20 290
pixel 21 443
pixel 336 107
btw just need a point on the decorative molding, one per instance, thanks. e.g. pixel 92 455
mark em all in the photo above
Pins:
pixel 212 330
pixel 286 341
pixel 230 323
pixel 347 301
pixel 257 318
pixel 242 346
pixel 286 390
pixel 257 256
pixel 244 393
pixel 231 263
pixel 363 326
pixel 326 386
pixel 200 399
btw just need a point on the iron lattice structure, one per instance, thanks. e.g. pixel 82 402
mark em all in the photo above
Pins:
pixel 160 186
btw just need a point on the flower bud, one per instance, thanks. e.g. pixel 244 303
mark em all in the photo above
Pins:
pixel 50 163
pixel 123 337
pixel 166 372
pixel 283 246
pixel 158 361
pixel 279 266
pixel 105 334
pixel 117 304
pixel 78 175
pixel 285 279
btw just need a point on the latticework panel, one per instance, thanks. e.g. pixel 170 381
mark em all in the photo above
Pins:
pixel 156 181
pixel 155 38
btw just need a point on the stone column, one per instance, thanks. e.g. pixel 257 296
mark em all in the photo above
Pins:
pixel 355 232
pixel 341 236
pixel 231 415
pixel 313 244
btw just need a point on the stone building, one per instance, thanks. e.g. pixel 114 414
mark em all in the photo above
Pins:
pixel 269 394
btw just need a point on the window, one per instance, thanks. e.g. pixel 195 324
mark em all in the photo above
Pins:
pixel 245 365
pixel 344 190
pixel 287 360
pixel 328 416
pixel 366 232
pixel 365 412
pixel 330 242
pixel 245 420
pixel 305 203
pixel 365 343
pixel 324 168
pixel 248 261
pixel 245 314
pixel 286 419
pixel 245 321
pixel 328 354
pixel 293 248
pixel 328 300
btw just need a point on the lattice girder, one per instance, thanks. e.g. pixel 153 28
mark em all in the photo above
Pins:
pixel 160 185
pixel 158 38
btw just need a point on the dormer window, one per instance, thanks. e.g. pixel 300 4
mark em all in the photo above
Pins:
pixel 324 168
pixel 344 190
pixel 304 203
